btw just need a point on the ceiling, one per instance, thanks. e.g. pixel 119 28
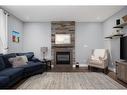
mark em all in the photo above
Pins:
pixel 63 13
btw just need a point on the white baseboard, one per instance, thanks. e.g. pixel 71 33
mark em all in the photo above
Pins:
pixel 86 65
pixel 82 65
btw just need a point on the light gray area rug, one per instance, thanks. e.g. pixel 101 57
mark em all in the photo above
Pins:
pixel 66 80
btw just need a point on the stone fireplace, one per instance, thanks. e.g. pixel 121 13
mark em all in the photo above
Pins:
pixel 63 54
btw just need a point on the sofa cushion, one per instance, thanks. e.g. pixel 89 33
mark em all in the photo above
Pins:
pixel 6 59
pixel 29 55
pixel 99 53
pixel 4 80
pixel 2 65
pixel 32 66
pixel 12 73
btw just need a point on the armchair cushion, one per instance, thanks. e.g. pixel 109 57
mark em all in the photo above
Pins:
pixel 99 53
pixel 97 58
pixel 94 58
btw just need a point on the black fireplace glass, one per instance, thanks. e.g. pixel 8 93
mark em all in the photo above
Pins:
pixel 62 57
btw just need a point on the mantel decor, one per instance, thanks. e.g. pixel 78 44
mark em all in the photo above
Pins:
pixel 119 26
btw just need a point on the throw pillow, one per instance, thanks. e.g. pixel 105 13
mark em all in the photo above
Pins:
pixel 23 58
pixel 17 62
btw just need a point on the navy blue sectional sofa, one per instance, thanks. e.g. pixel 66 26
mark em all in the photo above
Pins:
pixel 9 75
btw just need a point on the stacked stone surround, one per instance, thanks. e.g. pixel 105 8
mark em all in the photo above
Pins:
pixel 63 27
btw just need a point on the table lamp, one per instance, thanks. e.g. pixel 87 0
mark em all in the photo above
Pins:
pixel 44 50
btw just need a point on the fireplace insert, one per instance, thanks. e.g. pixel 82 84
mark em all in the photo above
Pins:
pixel 62 57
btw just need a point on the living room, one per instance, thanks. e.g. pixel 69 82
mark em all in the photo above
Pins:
pixel 57 42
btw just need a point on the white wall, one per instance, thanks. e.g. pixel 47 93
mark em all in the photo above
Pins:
pixel 16 25
pixel 114 44
pixel 0 46
pixel 37 35
pixel 88 37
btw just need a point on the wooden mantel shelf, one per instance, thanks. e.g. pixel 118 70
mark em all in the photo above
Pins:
pixel 63 46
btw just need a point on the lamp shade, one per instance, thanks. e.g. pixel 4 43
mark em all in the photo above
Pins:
pixel 44 49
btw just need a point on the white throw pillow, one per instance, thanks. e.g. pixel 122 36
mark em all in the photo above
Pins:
pixel 94 58
pixel 17 62
pixel 24 58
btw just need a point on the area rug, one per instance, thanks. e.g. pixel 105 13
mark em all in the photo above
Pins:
pixel 66 80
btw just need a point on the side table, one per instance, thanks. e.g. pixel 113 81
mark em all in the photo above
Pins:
pixel 48 64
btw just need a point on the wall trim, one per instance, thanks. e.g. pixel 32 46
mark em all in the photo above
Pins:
pixel 81 65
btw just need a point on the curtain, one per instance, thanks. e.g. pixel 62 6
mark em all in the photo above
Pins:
pixel 3 32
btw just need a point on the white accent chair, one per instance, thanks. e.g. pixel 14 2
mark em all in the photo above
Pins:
pixel 99 59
